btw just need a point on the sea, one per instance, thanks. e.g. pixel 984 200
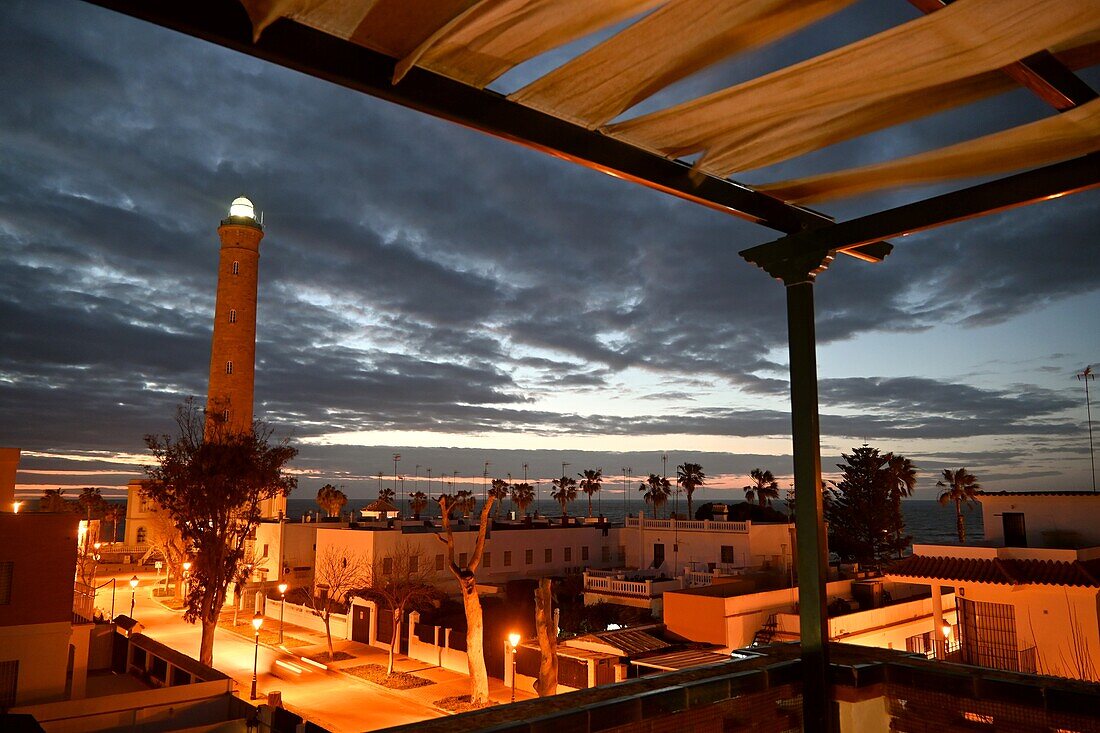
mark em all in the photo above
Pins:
pixel 927 521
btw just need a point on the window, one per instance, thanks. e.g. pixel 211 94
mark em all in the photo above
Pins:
pixel 568 554
pixel 528 557
pixel 549 555
pixel 487 559
pixel 232 315
pixel 9 675
pixel 438 562
pixel 141 535
pixel 7 569
pixel 236 268
pixel 584 553
pixel 414 563
pixel 462 558
pixel 387 565
pixel 658 554
pixel 265 550
pixel 225 415
pixel 228 367
pixel 605 554
pixel 507 558
pixel 727 554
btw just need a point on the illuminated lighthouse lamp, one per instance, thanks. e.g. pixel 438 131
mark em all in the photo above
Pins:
pixel 242 207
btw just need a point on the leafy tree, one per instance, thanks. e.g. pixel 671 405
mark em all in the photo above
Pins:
pixel 959 487
pixel 590 484
pixel 564 492
pixel 499 489
pixel 764 488
pixel 523 494
pixel 656 490
pixel 690 476
pixel 865 522
pixel 418 501
pixel 401 582
pixel 338 571
pixel 53 500
pixel 165 541
pixel 212 486
pixel 471 601
pixel 331 500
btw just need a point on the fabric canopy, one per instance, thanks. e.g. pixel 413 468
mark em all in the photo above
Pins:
pixel 933 63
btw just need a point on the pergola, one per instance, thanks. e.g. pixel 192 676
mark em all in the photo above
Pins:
pixel 440 56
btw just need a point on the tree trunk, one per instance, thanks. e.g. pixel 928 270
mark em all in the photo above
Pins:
pixel 546 630
pixel 960 524
pixel 590 506
pixel 475 650
pixel 395 639
pixel 691 515
pixel 206 645
pixel 328 634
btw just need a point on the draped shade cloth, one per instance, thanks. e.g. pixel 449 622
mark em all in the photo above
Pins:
pixel 935 62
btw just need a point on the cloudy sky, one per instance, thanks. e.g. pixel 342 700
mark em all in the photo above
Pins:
pixel 433 291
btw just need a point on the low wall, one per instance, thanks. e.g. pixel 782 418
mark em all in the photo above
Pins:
pixel 436 653
pixel 305 617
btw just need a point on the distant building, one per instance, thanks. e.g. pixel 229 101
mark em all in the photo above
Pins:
pixel 1028 596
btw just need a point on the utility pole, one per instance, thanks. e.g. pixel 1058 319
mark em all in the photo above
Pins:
pixel 485 481
pixel 396 458
pixel 1085 376
pixel 626 510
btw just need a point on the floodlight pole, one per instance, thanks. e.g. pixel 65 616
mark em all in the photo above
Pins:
pixel 1085 376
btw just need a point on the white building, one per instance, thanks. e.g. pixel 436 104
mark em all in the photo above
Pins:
pixel 1028 596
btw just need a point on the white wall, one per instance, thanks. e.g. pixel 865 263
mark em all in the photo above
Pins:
pixel 1076 514
pixel 43 654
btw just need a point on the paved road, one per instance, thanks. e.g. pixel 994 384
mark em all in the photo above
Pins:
pixel 329 699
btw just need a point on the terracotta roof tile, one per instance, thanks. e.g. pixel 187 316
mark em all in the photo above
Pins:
pixel 1001 571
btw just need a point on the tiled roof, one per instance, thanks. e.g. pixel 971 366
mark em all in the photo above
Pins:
pixel 380 505
pixel 1038 493
pixel 631 642
pixel 681 659
pixel 1001 571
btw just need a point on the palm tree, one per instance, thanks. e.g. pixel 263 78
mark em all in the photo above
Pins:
pixel 466 501
pixel 590 484
pixel 763 488
pixel 657 490
pixel 387 494
pixel 53 500
pixel 418 501
pixel 564 491
pixel 959 486
pixel 111 515
pixel 91 501
pixel 522 496
pixel 499 491
pixel 901 476
pixel 331 499
pixel 690 476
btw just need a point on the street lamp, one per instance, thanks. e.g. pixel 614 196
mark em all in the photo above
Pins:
pixel 15 506
pixel 257 622
pixel 133 594
pixel 282 605
pixel 186 577
pixel 513 641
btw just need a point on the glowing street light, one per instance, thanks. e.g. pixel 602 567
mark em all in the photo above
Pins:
pixel 282 597
pixel 133 594
pixel 257 622
pixel 186 577
pixel 15 506
pixel 513 641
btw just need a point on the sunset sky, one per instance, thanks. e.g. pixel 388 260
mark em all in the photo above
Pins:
pixel 429 290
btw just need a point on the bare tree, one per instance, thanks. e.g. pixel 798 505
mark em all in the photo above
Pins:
pixel 471 601
pixel 401 581
pixel 338 572
pixel 547 633
pixel 165 540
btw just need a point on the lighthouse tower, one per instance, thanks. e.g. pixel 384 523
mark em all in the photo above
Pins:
pixel 233 348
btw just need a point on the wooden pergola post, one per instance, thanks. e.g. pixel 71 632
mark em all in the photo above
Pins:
pixel 809 515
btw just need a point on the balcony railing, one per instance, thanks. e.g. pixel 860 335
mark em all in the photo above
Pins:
pixel 641 588
pixel 689 525
pixel 83 603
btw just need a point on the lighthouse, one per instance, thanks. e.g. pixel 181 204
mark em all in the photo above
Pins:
pixel 233 346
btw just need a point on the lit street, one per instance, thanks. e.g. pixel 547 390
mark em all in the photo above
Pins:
pixel 328 699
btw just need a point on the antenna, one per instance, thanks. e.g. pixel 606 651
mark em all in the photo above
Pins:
pixel 1085 376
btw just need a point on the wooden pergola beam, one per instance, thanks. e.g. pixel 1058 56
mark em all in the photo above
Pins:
pixel 1021 189
pixel 1047 77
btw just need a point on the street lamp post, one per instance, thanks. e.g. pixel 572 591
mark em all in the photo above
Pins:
pixel 513 641
pixel 133 594
pixel 282 607
pixel 257 622
pixel 186 577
